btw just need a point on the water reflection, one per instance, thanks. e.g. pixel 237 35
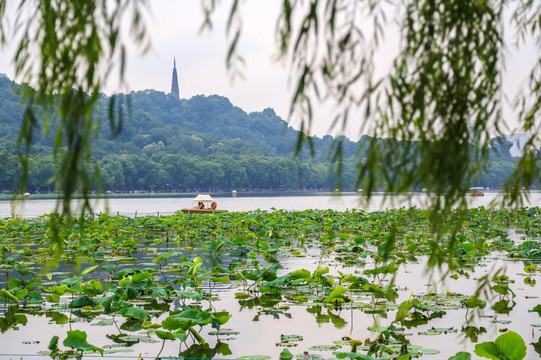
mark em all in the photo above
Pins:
pixel 261 320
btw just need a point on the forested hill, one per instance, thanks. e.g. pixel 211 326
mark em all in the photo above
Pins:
pixel 202 125
pixel 211 137
pixel 202 143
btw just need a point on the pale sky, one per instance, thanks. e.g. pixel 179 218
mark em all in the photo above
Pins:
pixel 173 26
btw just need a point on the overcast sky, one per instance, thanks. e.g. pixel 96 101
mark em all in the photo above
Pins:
pixel 174 26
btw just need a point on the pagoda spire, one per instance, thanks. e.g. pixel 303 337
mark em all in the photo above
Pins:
pixel 174 82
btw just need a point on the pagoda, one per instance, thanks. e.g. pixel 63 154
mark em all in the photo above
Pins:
pixel 174 83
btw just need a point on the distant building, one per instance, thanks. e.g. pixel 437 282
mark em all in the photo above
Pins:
pixel 518 140
pixel 174 83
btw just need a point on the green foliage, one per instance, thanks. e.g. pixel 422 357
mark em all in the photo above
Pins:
pixel 170 289
pixel 286 355
pixel 53 345
pixel 173 145
pixel 135 312
pixel 353 356
pixel 537 309
pixel 473 302
pixel 461 356
pixel 63 50
pixel 336 293
pixel 441 101
pixel 437 108
pixel 508 346
pixel 77 340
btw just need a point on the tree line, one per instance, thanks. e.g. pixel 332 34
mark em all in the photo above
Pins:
pixel 163 172
pixel 205 143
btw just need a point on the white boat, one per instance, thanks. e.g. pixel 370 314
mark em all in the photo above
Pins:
pixel 203 204
pixel 477 191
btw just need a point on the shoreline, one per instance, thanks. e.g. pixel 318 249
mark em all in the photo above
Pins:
pixel 54 196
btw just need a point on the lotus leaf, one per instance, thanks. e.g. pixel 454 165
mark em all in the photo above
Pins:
pixel 336 293
pixel 290 338
pixel 171 323
pixel 89 270
pixel 191 295
pixel 537 346
pixel 403 310
pixel 220 318
pixel 299 274
pixel 71 282
pixel 192 317
pixel 35 298
pixel 21 294
pixel 57 317
pixel 103 322
pixel 194 268
pixel 430 352
pixel 224 332
pixel 504 306
pixel 537 309
pixel 197 335
pixel 438 331
pixel 323 347
pixel 390 268
pixel 461 356
pixel 138 277
pixel 222 279
pixel 82 301
pixel 77 339
pixel 6 294
pixel 165 335
pixel 473 302
pixel 135 312
pixel 503 289
pixel 472 332
pixel 506 346
pixel 354 356
pixel 240 295
pixel 286 355
pixel 53 345
pixel 254 357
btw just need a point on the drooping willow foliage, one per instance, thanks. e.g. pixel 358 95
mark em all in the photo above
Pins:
pixel 441 100
pixel 66 50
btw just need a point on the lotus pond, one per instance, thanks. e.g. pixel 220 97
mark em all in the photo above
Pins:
pixel 260 285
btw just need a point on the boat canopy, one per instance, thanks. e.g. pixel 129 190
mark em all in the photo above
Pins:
pixel 203 198
pixel 477 188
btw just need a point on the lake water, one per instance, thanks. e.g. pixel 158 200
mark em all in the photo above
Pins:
pixel 245 202
pixel 260 329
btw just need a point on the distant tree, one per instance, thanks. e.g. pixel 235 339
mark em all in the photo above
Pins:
pixel 42 173
pixel 500 148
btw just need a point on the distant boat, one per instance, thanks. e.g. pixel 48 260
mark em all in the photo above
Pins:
pixel 477 191
pixel 27 196
pixel 203 204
